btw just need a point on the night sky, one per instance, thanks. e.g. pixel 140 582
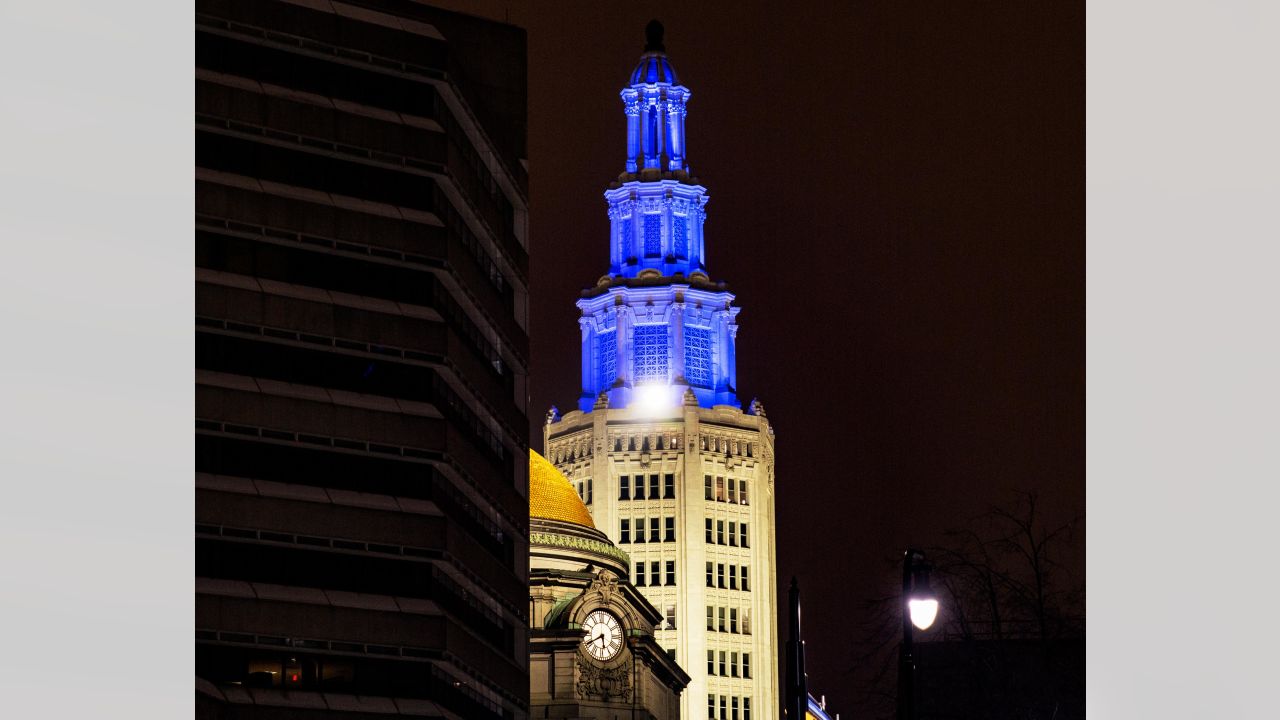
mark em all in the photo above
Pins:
pixel 897 199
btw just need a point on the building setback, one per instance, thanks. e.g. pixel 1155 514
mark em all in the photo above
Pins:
pixel 361 359
pixel 671 467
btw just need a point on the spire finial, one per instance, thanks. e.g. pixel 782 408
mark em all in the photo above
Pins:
pixel 653 37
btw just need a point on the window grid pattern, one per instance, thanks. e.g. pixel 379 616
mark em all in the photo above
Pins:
pixel 697 356
pixel 651 352
pixel 606 352
pixel 680 236
pixel 653 235
pixel 624 241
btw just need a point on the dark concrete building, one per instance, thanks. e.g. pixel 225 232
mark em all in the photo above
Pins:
pixel 361 355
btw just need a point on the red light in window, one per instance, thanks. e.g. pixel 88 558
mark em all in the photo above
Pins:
pixel 294 677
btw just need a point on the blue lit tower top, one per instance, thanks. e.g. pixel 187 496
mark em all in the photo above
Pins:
pixel 656 325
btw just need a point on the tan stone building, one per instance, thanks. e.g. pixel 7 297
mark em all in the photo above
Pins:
pixel 671 467
pixel 592 650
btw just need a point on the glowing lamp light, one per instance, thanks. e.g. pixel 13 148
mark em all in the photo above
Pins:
pixel 922 603
pixel 653 399
pixel 923 611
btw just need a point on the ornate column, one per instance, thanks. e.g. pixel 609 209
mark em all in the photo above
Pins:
pixel 675 319
pixel 632 109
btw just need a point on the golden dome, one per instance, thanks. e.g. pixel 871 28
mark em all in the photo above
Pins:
pixel 551 496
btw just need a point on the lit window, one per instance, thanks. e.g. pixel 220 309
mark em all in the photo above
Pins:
pixel 653 235
pixel 742 492
pixel 671 617
pixel 720 497
pixel 697 356
pixel 606 357
pixel 651 352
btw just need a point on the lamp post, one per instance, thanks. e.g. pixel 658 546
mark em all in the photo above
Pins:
pixel 919 609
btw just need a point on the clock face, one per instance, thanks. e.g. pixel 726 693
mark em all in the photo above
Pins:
pixel 602 635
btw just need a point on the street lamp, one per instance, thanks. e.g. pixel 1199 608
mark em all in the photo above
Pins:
pixel 920 608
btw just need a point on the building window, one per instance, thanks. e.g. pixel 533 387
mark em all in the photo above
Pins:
pixel 720 575
pixel 672 654
pixel 671 572
pixel 671 617
pixel 653 487
pixel 639 582
pixel 733 577
pixel 711 662
pixel 744 578
pixel 733 619
pixel 624 488
pixel 711 618
pixel 710 575
pixel 742 532
pixel 734 716
pixel 746 665
pixel 639 493
pixel 723 705
pixel 655 532
pixel 742 492
pixel 590 491
pixel 746 621
pixel 624 533
pixel 680 235
pixel 606 356
pixel 733 491
pixel 720 489
pixel 655 577
pixel 697 356
pixel 670 530
pixel 746 708
pixel 711 707
pixel 708 530
pixel 733 534
pixel 669 486
pixel 719 613
pixel 722 670
pixel 719 532
pixel 650 352
pixel 653 235
pixel 707 487
pixel 639 530
pixel 733 665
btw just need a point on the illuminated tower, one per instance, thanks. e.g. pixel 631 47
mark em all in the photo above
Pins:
pixel 670 466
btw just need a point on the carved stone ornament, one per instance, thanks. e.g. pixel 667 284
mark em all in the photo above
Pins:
pixel 605 683
pixel 606 585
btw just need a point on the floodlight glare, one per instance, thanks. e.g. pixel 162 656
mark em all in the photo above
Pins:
pixel 653 399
